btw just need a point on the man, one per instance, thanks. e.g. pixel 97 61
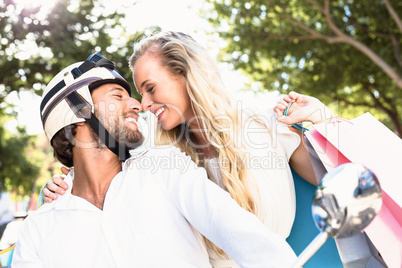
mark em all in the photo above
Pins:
pixel 143 214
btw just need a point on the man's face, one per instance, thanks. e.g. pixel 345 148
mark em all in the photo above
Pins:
pixel 118 112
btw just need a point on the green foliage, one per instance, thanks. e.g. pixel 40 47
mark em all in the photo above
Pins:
pixel 42 156
pixel 17 169
pixel 66 35
pixel 351 57
pixel 34 47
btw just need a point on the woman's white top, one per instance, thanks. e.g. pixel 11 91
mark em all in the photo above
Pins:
pixel 268 165
pixel 268 155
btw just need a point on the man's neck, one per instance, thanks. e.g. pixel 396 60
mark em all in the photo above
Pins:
pixel 94 170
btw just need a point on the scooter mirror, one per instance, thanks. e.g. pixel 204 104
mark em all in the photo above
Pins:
pixel 347 200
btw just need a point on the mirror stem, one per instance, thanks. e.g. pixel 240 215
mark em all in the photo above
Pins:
pixel 312 248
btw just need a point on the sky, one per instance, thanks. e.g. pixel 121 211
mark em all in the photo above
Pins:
pixel 176 15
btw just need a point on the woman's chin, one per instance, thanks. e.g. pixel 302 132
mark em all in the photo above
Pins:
pixel 167 125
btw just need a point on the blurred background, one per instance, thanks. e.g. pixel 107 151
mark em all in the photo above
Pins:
pixel 346 53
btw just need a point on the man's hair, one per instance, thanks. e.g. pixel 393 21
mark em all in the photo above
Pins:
pixel 63 144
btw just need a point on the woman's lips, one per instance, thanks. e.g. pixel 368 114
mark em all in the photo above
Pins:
pixel 158 112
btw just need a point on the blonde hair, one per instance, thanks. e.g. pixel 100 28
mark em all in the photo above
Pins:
pixel 212 107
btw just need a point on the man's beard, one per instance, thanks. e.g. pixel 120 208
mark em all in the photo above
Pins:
pixel 123 135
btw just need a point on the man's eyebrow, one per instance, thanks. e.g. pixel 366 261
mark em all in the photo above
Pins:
pixel 116 88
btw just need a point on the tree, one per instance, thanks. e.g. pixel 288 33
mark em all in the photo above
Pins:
pixel 17 170
pixel 35 46
pixel 341 50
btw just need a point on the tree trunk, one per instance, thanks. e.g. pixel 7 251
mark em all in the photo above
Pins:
pixel 396 122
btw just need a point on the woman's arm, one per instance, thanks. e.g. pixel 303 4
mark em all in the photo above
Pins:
pixel 300 160
pixel 303 108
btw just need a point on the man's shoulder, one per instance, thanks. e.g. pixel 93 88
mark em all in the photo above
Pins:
pixel 60 203
pixel 157 151
pixel 40 219
pixel 165 150
pixel 49 207
pixel 44 209
pixel 159 159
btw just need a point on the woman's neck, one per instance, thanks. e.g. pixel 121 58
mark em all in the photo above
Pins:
pixel 201 141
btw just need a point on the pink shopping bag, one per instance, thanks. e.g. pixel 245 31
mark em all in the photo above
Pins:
pixel 367 141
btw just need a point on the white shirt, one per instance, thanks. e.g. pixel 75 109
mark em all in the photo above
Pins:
pixel 149 214
pixel 267 162
pixel 269 167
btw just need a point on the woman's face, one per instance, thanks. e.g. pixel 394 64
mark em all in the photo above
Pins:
pixel 164 94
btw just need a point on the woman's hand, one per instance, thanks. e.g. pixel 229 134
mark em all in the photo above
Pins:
pixel 303 108
pixel 57 186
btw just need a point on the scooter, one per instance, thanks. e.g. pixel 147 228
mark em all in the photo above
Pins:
pixel 345 202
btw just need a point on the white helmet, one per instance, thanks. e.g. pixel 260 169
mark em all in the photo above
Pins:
pixel 67 98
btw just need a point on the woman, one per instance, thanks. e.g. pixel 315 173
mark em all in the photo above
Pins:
pixel 246 153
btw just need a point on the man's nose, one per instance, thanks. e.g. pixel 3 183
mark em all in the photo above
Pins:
pixel 134 104
pixel 146 103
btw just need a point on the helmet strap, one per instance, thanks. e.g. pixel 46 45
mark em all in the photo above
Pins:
pixel 82 109
pixel 94 60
